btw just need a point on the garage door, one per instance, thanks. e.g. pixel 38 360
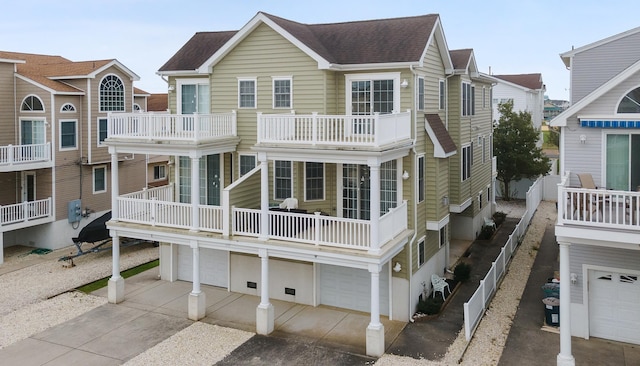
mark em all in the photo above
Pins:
pixel 350 288
pixel 613 306
pixel 214 266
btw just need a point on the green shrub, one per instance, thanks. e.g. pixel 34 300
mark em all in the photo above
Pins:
pixel 430 306
pixel 462 272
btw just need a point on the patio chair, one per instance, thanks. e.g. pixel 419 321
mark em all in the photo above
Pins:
pixel 489 222
pixel 586 181
pixel 439 284
pixel 289 203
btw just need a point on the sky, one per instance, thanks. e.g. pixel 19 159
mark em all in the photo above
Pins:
pixel 508 36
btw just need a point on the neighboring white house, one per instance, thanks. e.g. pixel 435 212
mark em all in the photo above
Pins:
pixel 525 90
pixel 598 230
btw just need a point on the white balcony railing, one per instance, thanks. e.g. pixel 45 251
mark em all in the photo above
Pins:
pixel 162 193
pixel 25 211
pixel 599 208
pixel 315 129
pixel 171 127
pixel 21 154
pixel 312 228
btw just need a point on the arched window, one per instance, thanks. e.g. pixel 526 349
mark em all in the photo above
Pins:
pixel 32 104
pixel 136 107
pixel 68 108
pixel 631 102
pixel 111 94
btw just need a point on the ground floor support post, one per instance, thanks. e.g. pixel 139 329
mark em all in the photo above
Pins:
pixel 1 247
pixel 115 287
pixel 265 318
pixel 197 298
pixel 375 329
pixel 565 358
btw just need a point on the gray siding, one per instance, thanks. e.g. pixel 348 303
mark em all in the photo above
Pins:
pixel 598 256
pixel 594 67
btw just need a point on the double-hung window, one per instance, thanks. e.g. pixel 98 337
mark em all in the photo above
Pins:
pixel 420 93
pixel 282 95
pixel 283 180
pixel 247 163
pixel 443 236
pixel 441 94
pixel 68 135
pixel 421 177
pixel 314 181
pixel 247 92
pixel 466 162
pixel 422 257
pixel 468 99
pixel 159 172
pixel 100 179
pixel 102 130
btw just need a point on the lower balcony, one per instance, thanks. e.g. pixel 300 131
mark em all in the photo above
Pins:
pixel 25 214
pixel 25 157
pixel 155 207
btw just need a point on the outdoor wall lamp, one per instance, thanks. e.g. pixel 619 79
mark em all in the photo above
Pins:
pixel 405 175
pixel 171 88
pixel 404 83
pixel 574 278
pixel 445 201
pixel 397 267
pixel 583 139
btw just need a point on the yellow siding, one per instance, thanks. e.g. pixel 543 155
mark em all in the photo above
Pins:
pixel 8 132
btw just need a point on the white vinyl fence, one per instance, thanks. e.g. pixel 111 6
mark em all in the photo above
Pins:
pixel 474 308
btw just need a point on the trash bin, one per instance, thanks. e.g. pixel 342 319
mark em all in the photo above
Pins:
pixel 551 289
pixel 551 311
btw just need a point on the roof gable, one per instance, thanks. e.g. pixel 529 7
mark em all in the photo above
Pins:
pixel 464 61
pixel 197 51
pixel 561 119
pixel 384 41
pixel 566 56
pixel 443 144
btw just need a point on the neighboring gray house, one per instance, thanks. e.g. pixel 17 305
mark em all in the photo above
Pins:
pixel 598 230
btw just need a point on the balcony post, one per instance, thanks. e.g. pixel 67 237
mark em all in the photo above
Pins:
pixel 374 208
pixel 374 129
pixel 115 191
pixel 314 128
pixel 260 123
pixel 10 155
pixel 264 196
pixel 196 126
pixel 197 298
pixel 265 318
pixel 195 193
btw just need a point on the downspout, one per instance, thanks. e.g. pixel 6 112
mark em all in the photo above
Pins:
pixel 415 203
pixel 53 156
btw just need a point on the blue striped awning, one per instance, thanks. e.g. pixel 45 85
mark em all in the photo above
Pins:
pixel 609 123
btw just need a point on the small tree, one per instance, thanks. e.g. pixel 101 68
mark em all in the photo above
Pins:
pixel 514 144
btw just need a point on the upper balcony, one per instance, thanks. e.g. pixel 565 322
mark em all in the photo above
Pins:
pixel 598 214
pixel 25 157
pixel 353 132
pixel 25 214
pixel 155 208
pixel 168 128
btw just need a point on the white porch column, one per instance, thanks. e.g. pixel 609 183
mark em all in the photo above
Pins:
pixel 264 196
pixel 565 358
pixel 197 303
pixel 115 287
pixel 374 176
pixel 1 246
pixel 265 318
pixel 115 186
pixel 195 194
pixel 375 329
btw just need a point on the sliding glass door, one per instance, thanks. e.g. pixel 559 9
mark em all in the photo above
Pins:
pixel 623 162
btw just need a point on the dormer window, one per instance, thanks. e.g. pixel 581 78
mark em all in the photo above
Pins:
pixel 111 94
pixel 32 104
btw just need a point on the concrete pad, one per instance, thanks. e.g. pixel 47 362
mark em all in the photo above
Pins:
pixel 242 310
pixel 31 352
pixel 349 334
pixel 77 357
pixel 288 314
pixel 213 295
pixel 136 336
pixel 90 325
pixel 163 293
pixel 314 322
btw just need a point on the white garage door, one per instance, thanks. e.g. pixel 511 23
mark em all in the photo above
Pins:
pixel 350 288
pixel 214 266
pixel 614 312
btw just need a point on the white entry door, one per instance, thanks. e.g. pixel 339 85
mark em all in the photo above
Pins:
pixel 214 266
pixel 614 310
pixel 350 288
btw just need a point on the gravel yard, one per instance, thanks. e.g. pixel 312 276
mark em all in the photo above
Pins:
pixel 28 304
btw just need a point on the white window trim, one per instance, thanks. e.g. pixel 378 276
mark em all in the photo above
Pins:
pixel 422 240
pixel 324 183
pixel 191 81
pixel 75 121
pixel 395 76
pixel 99 143
pixel 274 181
pixel 68 104
pixel 93 181
pixel 443 83
pixel 44 108
pixel 417 175
pixel 255 91
pixel 462 165
pixel 273 91
pixel 124 93
pixel 164 170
